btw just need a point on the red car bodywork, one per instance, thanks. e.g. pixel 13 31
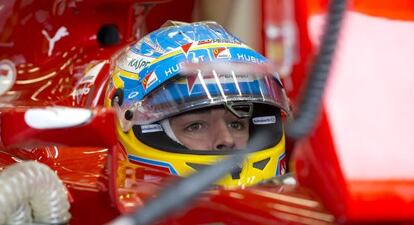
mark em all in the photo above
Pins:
pixel 345 168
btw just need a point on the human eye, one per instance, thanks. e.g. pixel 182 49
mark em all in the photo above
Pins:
pixel 194 127
pixel 237 125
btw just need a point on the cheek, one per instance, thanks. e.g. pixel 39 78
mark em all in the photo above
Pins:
pixel 241 139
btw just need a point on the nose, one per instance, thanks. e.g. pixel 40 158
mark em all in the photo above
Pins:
pixel 224 139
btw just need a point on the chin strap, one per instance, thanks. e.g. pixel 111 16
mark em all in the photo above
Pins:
pixel 165 123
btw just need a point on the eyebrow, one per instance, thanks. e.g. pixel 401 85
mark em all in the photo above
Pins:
pixel 202 111
pixel 209 111
pixel 198 112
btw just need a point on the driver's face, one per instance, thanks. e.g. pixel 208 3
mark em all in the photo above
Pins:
pixel 214 129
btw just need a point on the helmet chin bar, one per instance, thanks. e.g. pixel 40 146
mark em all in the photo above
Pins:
pixel 240 109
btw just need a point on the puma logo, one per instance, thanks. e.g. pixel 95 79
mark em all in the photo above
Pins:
pixel 61 32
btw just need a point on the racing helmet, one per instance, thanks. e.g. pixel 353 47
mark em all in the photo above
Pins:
pixel 183 67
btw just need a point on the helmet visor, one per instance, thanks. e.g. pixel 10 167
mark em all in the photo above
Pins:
pixel 205 85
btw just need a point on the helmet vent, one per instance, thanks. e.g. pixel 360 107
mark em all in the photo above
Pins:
pixel 240 109
pixel 235 173
pixel 196 166
pixel 261 164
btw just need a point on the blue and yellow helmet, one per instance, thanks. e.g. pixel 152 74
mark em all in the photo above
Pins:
pixel 190 66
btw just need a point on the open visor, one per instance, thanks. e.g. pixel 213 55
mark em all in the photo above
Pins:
pixel 204 85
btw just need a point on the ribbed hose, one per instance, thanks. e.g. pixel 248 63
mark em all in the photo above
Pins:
pixel 32 189
pixel 21 215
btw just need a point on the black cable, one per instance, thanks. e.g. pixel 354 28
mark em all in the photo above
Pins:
pixel 309 108
pixel 175 197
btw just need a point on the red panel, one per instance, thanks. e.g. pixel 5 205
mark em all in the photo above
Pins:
pixel 316 166
pixel 180 10
pixel 397 10
pixel 98 131
pixel 358 157
pixel 382 200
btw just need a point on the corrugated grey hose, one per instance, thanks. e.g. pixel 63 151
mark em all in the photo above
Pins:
pixel 31 193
